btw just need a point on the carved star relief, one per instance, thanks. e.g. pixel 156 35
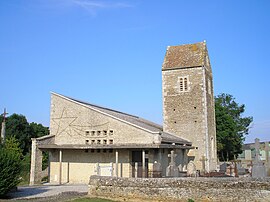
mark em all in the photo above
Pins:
pixel 64 123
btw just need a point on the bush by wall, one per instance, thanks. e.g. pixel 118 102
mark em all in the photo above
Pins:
pixel 10 167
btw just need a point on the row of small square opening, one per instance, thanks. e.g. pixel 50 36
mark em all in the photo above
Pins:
pixel 98 132
pixel 104 141
pixel 99 150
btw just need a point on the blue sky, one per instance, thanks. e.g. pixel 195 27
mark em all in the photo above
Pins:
pixel 110 53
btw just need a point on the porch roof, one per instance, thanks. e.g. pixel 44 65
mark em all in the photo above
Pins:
pixel 115 146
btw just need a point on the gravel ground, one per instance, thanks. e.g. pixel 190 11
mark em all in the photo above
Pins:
pixel 48 193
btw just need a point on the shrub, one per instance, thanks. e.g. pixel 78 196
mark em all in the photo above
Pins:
pixel 10 166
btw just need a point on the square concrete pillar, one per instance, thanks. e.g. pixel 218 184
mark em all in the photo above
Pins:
pixel 36 164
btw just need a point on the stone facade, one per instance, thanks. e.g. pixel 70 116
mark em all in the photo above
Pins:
pixel 180 189
pixel 87 139
pixel 90 140
pixel 188 100
pixel 70 122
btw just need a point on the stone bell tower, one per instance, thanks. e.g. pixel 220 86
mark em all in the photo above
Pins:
pixel 188 101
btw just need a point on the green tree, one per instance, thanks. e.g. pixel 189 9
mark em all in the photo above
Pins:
pixel 18 126
pixel 231 126
pixel 20 132
pixel 38 130
pixel 12 144
pixel 10 165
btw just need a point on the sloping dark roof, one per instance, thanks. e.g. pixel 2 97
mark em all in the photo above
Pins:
pixel 250 146
pixel 183 56
pixel 135 120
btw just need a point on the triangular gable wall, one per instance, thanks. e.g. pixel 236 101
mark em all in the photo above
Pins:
pixel 75 123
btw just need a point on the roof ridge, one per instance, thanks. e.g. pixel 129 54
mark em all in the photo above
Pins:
pixel 187 44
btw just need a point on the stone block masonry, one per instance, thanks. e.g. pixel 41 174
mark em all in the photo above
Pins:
pixel 180 189
pixel 188 101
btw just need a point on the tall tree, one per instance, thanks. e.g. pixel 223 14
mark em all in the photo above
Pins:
pixel 17 126
pixel 231 126
pixel 38 130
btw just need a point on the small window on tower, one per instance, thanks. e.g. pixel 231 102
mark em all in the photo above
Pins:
pixel 183 84
pixel 209 86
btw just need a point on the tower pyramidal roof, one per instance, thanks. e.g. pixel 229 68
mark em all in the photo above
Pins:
pixel 184 56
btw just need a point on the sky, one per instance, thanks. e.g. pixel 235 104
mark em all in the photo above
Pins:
pixel 110 53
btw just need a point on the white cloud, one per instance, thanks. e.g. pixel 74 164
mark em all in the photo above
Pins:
pixel 92 6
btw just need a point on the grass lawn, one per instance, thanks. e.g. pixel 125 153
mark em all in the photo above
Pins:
pixel 91 200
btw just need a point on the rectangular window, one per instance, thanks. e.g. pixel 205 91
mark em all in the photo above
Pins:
pixel 93 133
pixel 110 141
pixel 209 87
pixel 86 141
pixel 92 141
pixel 111 132
pixel 183 84
pixel 105 132
pixel 98 141
pixel 98 133
pixel 87 132
pixel 104 141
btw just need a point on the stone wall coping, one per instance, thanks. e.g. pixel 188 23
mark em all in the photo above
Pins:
pixel 183 182
pixel 181 189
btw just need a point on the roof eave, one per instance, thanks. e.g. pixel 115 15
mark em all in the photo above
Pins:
pixel 114 146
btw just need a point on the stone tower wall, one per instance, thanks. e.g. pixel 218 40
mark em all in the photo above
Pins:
pixel 190 113
pixel 183 112
pixel 211 122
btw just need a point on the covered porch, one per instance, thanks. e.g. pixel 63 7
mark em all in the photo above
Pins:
pixel 76 163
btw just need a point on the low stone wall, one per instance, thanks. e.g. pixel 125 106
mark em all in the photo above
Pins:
pixel 180 189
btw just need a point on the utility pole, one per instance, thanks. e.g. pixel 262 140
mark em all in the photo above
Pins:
pixel 3 130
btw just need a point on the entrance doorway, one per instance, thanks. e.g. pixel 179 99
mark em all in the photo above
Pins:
pixel 137 158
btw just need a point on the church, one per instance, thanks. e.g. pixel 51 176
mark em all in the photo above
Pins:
pixel 87 139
